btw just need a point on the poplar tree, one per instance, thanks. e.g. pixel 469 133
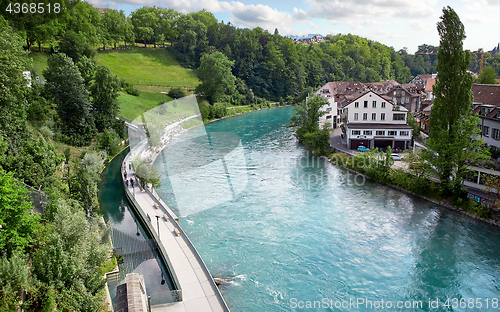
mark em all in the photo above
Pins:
pixel 453 128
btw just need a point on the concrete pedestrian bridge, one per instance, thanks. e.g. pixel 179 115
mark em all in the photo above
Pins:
pixel 194 287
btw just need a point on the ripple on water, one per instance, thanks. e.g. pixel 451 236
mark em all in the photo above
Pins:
pixel 303 229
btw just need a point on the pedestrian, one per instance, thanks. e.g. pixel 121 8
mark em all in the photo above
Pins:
pixel 129 166
pixel 126 182
pixel 125 175
pixel 131 182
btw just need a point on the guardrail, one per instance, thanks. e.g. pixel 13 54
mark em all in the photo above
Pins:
pixel 148 227
pixel 194 251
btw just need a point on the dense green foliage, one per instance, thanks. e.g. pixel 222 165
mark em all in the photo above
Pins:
pixel 273 66
pixel 217 80
pixel 68 259
pixel 72 98
pixel 452 139
pixel 488 76
pixel 306 122
pixel 55 258
pixel 18 226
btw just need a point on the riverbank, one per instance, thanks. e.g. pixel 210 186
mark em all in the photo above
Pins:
pixel 243 113
pixel 444 202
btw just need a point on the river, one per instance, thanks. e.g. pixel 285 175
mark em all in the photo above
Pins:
pixel 290 231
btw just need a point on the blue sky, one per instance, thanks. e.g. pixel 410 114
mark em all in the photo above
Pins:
pixel 396 23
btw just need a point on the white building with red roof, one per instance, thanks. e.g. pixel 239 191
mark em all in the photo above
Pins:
pixel 373 121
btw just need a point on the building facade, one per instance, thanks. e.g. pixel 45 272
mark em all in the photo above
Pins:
pixel 487 106
pixel 373 121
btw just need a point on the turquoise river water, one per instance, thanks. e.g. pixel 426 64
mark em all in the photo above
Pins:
pixel 288 231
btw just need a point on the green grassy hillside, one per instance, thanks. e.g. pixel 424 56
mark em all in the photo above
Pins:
pixel 132 106
pixel 39 62
pixel 149 70
pixel 148 67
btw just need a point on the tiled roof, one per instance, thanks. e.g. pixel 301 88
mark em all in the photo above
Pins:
pixel 345 87
pixel 486 94
pixel 425 77
pixel 382 87
pixel 428 85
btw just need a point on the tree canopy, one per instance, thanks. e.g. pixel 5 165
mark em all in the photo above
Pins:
pixel 72 98
pixel 488 76
pixel 306 122
pixel 216 77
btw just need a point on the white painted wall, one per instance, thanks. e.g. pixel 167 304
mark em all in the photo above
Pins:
pixel 371 97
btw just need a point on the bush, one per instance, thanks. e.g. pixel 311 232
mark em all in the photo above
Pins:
pixel 131 90
pixel 176 93
pixel 109 141
pixel 46 132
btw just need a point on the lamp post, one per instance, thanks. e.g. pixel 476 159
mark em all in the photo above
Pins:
pixel 158 224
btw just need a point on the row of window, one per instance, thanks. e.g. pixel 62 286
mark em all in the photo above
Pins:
pixel 365 104
pixel 381 132
pixel 382 116
pixel 495 133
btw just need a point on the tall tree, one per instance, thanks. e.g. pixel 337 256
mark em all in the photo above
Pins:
pixel 145 22
pixel 72 98
pixel 104 92
pixel 85 20
pixel 453 128
pixel 114 24
pixel 216 77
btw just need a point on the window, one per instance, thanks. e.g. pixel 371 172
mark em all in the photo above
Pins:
pixel 394 92
pixel 407 100
pixel 374 116
pixel 383 104
pixel 329 117
pixel 392 132
pixel 365 116
pixel 365 104
pixel 394 100
pixel 374 104
pixel 367 132
pixel 495 134
pixel 329 109
pixel 355 116
pixel 356 104
pixel 356 132
pixel 486 131
pixel 382 116
pixel 398 116
pixel 402 93
pixel 380 132
pixel 404 133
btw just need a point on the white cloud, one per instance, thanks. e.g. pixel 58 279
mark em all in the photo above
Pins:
pixel 300 14
pixel 340 9
pixel 313 26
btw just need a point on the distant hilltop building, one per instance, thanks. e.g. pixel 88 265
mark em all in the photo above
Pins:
pixel 308 39
pixel 495 50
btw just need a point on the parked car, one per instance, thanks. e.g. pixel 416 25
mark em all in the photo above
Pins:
pixel 396 157
pixel 361 148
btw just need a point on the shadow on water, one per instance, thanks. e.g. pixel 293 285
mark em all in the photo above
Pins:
pixel 139 254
